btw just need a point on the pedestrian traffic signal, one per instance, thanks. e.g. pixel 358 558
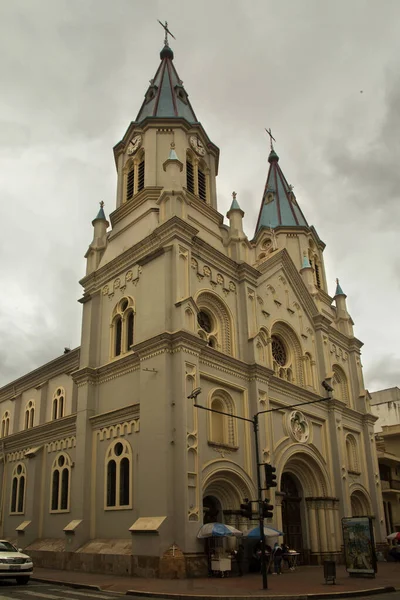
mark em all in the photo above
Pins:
pixel 245 509
pixel 270 477
pixel 267 510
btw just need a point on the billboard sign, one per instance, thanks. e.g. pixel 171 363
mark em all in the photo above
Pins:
pixel 359 546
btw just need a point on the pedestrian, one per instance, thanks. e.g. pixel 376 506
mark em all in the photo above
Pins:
pixel 285 556
pixel 395 552
pixel 277 556
pixel 239 559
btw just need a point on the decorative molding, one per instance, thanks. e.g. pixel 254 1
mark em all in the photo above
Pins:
pixel 113 417
pixel 41 434
pixel 118 430
pixel 61 444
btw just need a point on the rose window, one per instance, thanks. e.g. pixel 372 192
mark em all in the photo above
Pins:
pixel 279 351
pixel 204 321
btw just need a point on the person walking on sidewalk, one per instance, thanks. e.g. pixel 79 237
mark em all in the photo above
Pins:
pixel 277 556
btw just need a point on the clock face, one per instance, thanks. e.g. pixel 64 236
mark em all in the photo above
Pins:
pixel 197 145
pixel 134 144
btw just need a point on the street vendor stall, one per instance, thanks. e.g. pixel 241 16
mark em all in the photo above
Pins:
pixel 220 563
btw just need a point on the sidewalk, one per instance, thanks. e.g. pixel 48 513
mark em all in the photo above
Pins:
pixel 306 581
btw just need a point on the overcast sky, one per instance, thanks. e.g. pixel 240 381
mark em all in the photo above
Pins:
pixel 325 76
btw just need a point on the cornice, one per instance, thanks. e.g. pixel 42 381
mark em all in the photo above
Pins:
pixel 325 297
pixel 64 364
pixel 147 194
pixel 215 258
pixel 292 390
pixel 113 417
pixel 203 208
pixel 369 419
pixel 41 434
pixel 174 228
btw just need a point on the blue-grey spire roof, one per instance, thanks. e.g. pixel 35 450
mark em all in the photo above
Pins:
pixel 279 206
pixel 339 291
pixel 100 214
pixel 166 97
pixel 235 203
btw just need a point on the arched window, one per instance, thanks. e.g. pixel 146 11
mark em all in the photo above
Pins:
pixel 339 382
pixel 58 403
pixel 5 424
pixel 214 323
pixel 134 172
pixel 18 480
pixel 352 454
pixel 222 428
pixel 315 263
pixel 118 488
pixel 196 176
pixel 122 328
pixel 60 483
pixel 286 354
pixel 29 414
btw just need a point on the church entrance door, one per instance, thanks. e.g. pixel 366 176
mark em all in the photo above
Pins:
pixel 291 514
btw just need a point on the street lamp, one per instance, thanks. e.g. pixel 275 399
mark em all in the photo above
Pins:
pixel 254 421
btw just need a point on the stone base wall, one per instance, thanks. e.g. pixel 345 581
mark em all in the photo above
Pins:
pixel 166 567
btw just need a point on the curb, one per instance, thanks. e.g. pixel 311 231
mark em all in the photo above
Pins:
pixel 71 584
pixel 368 592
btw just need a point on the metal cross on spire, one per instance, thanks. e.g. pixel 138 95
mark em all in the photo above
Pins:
pixel 271 137
pixel 167 32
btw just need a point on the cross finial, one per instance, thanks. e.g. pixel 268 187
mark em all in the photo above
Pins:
pixel 271 137
pixel 167 32
pixel 101 204
pixel 234 194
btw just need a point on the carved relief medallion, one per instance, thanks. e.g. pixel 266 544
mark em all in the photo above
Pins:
pixel 298 426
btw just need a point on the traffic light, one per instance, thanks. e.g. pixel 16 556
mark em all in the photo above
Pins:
pixel 245 509
pixel 267 510
pixel 270 477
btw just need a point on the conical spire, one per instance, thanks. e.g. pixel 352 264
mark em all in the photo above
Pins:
pixel 166 97
pixel 235 203
pixel 100 215
pixel 279 206
pixel 339 291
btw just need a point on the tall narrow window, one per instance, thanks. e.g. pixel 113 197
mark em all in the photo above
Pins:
pixel 118 490
pixel 18 489
pixel 189 176
pixel 222 426
pixel 141 175
pixel 60 483
pixel 118 335
pixel 122 327
pixel 130 325
pixel 58 403
pixel 29 414
pixel 130 183
pixel 5 424
pixel 202 185
pixel 317 275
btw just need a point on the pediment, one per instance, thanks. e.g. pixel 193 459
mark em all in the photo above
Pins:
pixel 283 285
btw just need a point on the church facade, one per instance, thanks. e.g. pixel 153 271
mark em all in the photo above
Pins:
pixel 105 464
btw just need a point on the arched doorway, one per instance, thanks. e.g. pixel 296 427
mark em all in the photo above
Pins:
pixel 291 512
pixel 359 504
pixel 212 512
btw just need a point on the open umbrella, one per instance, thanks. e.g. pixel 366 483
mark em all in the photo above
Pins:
pixel 394 536
pixel 268 532
pixel 218 530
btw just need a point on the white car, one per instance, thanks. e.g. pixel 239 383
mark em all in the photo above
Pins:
pixel 14 564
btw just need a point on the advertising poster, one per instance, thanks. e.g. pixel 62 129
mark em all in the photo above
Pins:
pixel 359 546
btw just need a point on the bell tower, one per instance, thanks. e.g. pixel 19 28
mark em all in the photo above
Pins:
pixel 165 130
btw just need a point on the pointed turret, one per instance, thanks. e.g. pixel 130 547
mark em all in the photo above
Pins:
pixel 307 274
pixel 166 97
pixel 235 216
pixel 279 206
pixel 173 166
pixel 343 318
pixel 99 242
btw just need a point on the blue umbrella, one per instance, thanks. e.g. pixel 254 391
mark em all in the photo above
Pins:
pixel 268 532
pixel 217 530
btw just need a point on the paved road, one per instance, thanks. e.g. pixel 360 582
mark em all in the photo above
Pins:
pixel 43 591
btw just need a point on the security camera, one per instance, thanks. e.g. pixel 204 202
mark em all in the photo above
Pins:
pixel 326 386
pixel 195 393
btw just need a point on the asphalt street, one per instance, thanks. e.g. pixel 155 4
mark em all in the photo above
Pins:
pixel 41 591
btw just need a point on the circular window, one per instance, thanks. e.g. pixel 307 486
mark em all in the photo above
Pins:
pixel 204 321
pixel 19 470
pixel 279 351
pixel 267 244
pixel 61 461
pixel 118 449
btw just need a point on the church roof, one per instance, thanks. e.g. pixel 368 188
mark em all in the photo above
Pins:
pixel 166 97
pixel 339 291
pixel 279 206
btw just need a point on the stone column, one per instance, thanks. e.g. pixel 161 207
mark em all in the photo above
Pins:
pixel 332 545
pixel 322 526
pixel 278 510
pixel 312 519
